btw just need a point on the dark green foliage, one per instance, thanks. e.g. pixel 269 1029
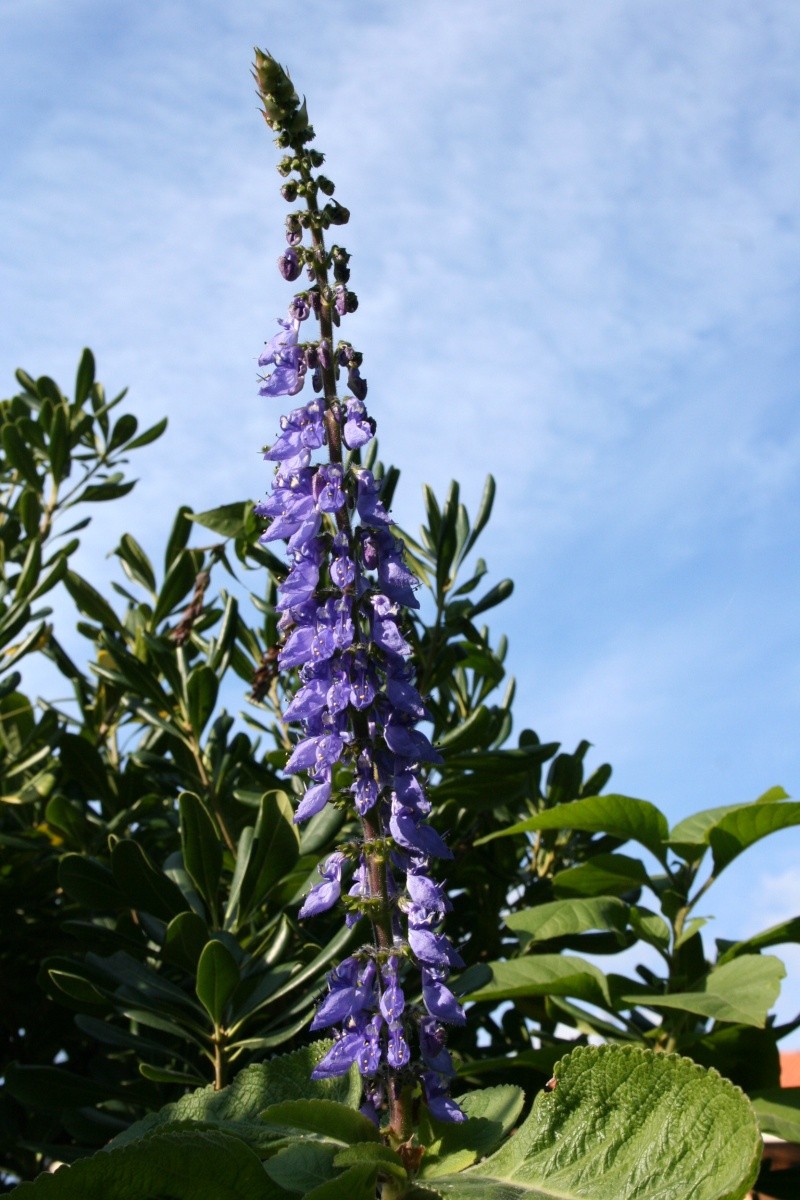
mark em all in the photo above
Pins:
pixel 152 872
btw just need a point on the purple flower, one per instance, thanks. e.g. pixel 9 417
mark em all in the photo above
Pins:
pixel 437 1097
pixel 439 1000
pixel 289 265
pixel 358 427
pixel 340 1057
pixel 283 353
pixel 325 894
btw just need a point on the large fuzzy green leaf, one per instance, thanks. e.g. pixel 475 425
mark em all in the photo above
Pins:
pixel 183 1165
pixel 623 1123
pixel 237 1107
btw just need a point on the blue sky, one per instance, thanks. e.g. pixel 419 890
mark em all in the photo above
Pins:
pixel 576 245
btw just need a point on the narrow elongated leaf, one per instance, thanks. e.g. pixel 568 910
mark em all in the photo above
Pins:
pixel 136 562
pixel 143 884
pixel 623 1123
pixel 605 874
pixel 201 693
pixel 229 520
pixel 741 991
pixel 217 979
pixel 90 602
pixel 275 849
pixel 200 844
pixel 621 816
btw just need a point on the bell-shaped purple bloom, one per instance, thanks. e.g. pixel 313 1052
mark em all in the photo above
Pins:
pixel 340 1057
pixel 412 834
pixel 438 1099
pixel 397 1050
pixel 325 894
pixel 358 427
pixel 432 1046
pixel 406 742
pixel 368 502
pixel 439 1000
pixel 283 353
pixel 314 800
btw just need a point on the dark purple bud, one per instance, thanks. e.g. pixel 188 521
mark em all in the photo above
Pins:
pixel 356 384
pixel 289 191
pixel 299 309
pixel 340 299
pixel 325 185
pixel 294 230
pixel 324 352
pixel 336 213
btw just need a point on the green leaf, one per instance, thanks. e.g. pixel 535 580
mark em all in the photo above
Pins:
pixel 217 979
pixel 19 455
pixel 143 884
pixel 185 940
pixel 91 603
pixel 562 917
pixel 356 1183
pixel 237 1107
pixel 742 991
pixel 229 520
pixel 483 514
pixel 491 1114
pixel 621 816
pixel 179 579
pixel 90 882
pixel 605 874
pixel 200 845
pixel 178 537
pixel 544 975
pixel 742 828
pixel 689 838
pixel 136 562
pixel 336 1122
pixel 496 595
pixel 623 1123
pixel 52 1088
pixel 85 377
pixel 776 935
pixel 382 1158
pixel 778 1112
pixel 149 435
pixel 201 692
pixel 275 849
pixel 302 1165
pixel 180 1165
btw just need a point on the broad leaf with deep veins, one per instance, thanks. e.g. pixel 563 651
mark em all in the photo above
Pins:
pixel 623 1123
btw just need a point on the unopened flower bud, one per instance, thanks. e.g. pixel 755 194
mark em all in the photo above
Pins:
pixel 325 185
pixel 336 213
pixel 356 384
pixel 289 265
pixel 289 191
pixel 294 232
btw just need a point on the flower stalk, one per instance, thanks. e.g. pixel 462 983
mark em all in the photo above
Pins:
pixel 357 704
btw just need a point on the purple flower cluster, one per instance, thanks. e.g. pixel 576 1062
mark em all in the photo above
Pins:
pixel 358 708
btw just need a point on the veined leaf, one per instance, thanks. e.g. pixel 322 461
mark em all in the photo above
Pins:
pixel 543 975
pixel 621 816
pixel 623 1123
pixel 562 917
pixel 175 1164
pixel 742 991
pixel 742 828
